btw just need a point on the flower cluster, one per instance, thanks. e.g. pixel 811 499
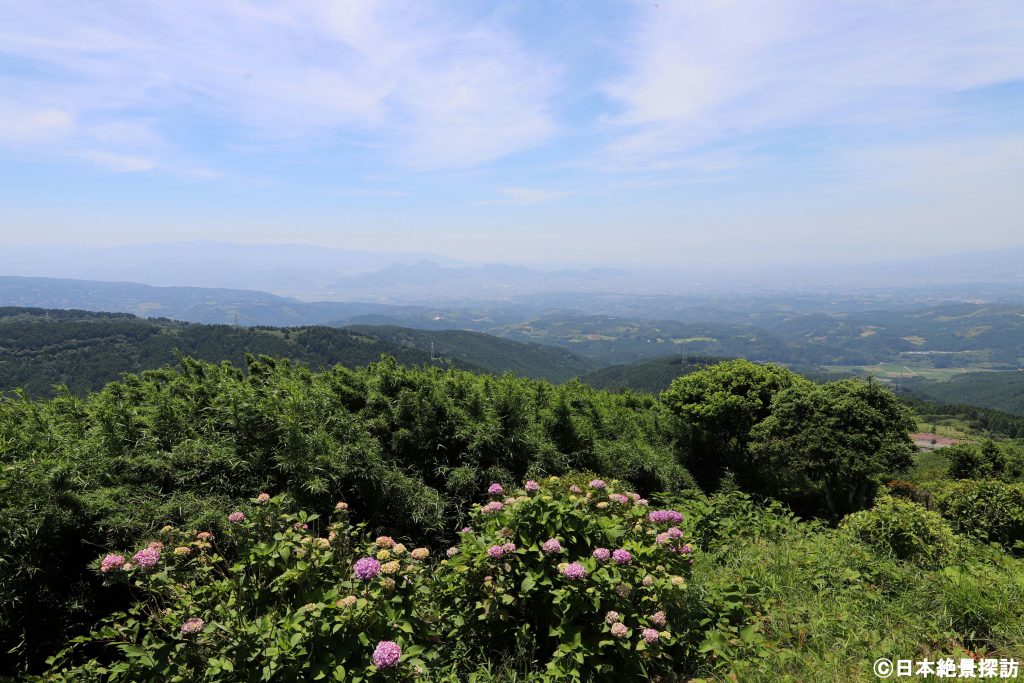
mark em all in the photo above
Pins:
pixel 191 626
pixel 665 517
pixel 386 654
pixel 236 517
pixel 366 568
pixel 147 557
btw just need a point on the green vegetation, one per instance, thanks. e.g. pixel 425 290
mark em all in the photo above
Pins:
pixel 150 461
pixel 651 376
pixel 997 390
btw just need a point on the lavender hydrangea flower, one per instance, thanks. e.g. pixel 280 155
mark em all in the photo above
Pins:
pixel 552 546
pixel 597 484
pixel 532 486
pixel 621 556
pixel 386 654
pixel 495 489
pixel 602 554
pixel 618 498
pixel 147 557
pixel 495 552
pixel 366 568
pixel 674 533
pixel 665 516
pixel 686 549
pixel 574 571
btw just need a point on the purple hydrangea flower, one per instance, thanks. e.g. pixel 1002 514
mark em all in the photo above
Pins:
pixel 111 562
pixel 649 635
pixel 552 546
pixel 574 571
pixel 386 654
pixel 597 484
pixel 236 517
pixel 602 554
pixel 495 489
pixel 622 556
pixel 147 557
pixel 495 552
pixel 367 568
pixel 193 625
pixel 674 533
pixel 532 486
pixel 686 549
pixel 665 516
pixel 662 538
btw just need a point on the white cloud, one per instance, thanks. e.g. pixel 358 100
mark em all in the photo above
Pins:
pixel 21 125
pixel 526 196
pixel 702 71
pixel 119 163
pixel 431 88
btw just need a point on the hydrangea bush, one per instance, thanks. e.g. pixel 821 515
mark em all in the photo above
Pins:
pixel 587 579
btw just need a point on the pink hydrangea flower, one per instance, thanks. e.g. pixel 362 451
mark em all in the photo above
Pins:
pixel 658 619
pixel 386 654
pixel 508 548
pixel 575 489
pixel 674 533
pixel 236 517
pixel 467 529
pixel 495 552
pixel 495 489
pixel 649 635
pixel 552 546
pixel 618 498
pixel 193 625
pixel 532 486
pixel 366 568
pixel 419 554
pixel 147 557
pixel 662 538
pixel 601 554
pixel 263 498
pixel 452 552
pixel 492 507
pixel 612 617
pixel 621 556
pixel 686 549
pixel 574 571
pixel 597 484
pixel 204 536
pixel 110 562
pixel 385 542
pixel 619 630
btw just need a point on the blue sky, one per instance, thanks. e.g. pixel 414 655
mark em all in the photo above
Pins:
pixel 592 132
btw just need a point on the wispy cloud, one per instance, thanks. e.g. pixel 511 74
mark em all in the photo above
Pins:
pixel 525 196
pixel 433 88
pixel 700 72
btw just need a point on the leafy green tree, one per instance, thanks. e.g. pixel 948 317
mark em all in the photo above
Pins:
pixel 717 407
pixel 825 446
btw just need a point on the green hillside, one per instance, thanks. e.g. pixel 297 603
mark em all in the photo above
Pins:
pixel 998 390
pixel 652 376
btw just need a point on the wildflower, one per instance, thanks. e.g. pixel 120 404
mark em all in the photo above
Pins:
pixel 663 516
pixel 383 555
pixel 658 619
pixel 391 567
pixel 147 557
pixel 182 550
pixel 386 654
pixel 601 554
pixel 574 571
pixel 452 552
pixel 532 486
pixel 619 630
pixel 236 517
pixel 648 580
pixel 347 601
pixel 495 489
pixel 263 498
pixel 366 568
pixel 552 546
pixel 612 617
pixel 508 548
pixel 495 552
pixel 621 556
pixel 385 542
pixel 420 554
pixel 618 498
pixel 204 536
pixel 340 506
pixel 597 484
pixel 649 635
pixel 575 489
pixel 111 562
pixel 193 625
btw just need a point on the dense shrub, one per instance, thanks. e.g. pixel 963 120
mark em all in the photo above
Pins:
pixel 588 579
pixel 989 510
pixel 904 530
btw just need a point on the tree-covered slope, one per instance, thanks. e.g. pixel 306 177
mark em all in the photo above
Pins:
pixel 652 376
pixel 997 390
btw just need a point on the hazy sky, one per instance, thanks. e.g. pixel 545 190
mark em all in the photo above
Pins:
pixel 620 132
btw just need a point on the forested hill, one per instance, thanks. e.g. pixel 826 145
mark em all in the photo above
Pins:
pixel 42 348
pixel 652 376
